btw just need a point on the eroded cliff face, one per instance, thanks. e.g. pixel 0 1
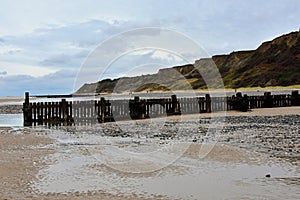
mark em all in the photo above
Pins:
pixel 273 63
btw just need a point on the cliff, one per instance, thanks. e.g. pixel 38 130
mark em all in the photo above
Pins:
pixel 273 63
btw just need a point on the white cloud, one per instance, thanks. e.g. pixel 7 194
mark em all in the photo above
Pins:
pixel 9 49
pixel 22 69
pixel 165 55
pixel 141 52
pixel 23 17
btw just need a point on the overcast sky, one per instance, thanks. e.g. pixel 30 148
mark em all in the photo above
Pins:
pixel 43 44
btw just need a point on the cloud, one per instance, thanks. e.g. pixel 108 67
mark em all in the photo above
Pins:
pixel 53 38
pixel 57 60
pixel 220 27
pixel 134 64
pixel 3 73
pixel 60 82
pixel 58 46
pixel 22 69
pixel 138 47
pixel 20 17
pixel 9 49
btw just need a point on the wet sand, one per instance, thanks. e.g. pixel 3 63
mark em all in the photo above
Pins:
pixel 77 162
pixel 11 105
pixel 23 153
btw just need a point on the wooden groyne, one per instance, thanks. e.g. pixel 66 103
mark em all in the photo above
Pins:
pixel 102 110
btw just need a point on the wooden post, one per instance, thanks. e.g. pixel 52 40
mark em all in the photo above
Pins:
pixel 103 109
pixel 70 113
pixel 27 113
pixel 175 105
pixel 135 108
pixel 42 114
pixel 239 95
pixel 27 98
pixel 268 101
pixel 98 114
pixel 208 103
pixel 142 109
pixel 245 103
pixel 64 109
pixel 295 99
pixel 240 102
pixel 38 112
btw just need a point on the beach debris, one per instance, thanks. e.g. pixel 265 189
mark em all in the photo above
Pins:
pixel 268 175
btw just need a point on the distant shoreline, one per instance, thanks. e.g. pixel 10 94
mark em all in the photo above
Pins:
pixel 17 100
pixel 290 87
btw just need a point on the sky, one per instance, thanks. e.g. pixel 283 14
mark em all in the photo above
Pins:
pixel 46 45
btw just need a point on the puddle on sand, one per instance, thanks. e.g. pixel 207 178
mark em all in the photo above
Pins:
pixel 72 168
pixel 11 120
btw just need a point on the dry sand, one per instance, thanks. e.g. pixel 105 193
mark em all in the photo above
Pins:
pixel 254 112
pixel 10 99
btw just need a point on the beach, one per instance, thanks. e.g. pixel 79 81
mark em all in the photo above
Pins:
pixel 232 155
pixel 150 100
pixel 23 153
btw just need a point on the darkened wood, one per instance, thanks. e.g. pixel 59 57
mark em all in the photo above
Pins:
pixel 295 98
pixel 27 116
pixel 103 109
pixel 90 112
pixel 207 103
pixel 268 100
